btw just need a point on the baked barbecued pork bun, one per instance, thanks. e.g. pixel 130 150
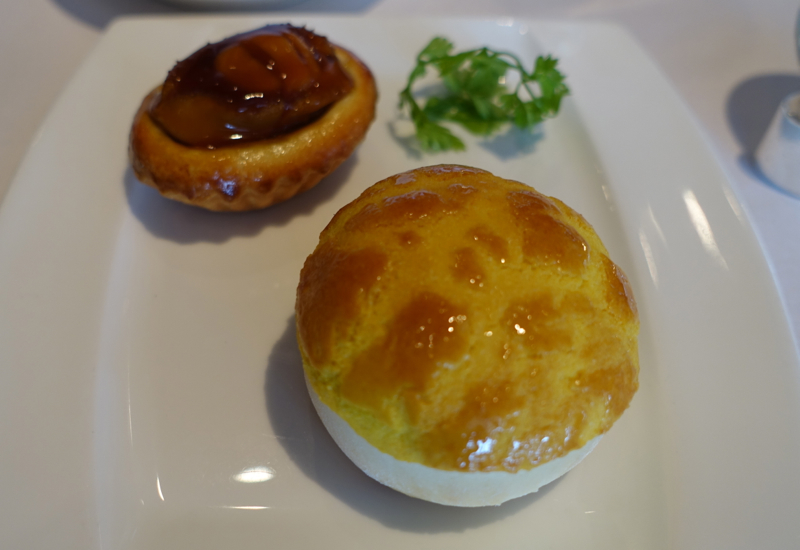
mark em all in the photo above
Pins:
pixel 252 120
pixel 465 339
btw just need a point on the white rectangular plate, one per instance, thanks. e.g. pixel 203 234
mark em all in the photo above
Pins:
pixel 151 392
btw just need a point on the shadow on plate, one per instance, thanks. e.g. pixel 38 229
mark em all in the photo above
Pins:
pixel 182 223
pixel 99 13
pixel 750 108
pixel 298 428
pixel 510 144
pixel 514 142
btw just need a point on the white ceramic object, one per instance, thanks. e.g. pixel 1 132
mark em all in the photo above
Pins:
pixel 151 392
pixel 778 154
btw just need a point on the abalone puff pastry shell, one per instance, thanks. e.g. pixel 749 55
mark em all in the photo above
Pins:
pixel 465 339
pixel 260 173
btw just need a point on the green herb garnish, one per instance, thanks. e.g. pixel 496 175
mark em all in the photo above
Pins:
pixel 476 95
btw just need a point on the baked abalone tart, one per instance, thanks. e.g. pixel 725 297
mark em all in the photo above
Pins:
pixel 252 120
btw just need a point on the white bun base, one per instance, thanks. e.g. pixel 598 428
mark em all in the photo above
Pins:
pixel 469 489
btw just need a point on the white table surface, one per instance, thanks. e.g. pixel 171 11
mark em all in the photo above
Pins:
pixel 732 61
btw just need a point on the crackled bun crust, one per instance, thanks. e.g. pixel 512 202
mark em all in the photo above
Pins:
pixel 465 339
pixel 261 173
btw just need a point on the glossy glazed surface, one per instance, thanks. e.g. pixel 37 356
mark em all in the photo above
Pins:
pixel 499 337
pixel 250 86
pixel 254 174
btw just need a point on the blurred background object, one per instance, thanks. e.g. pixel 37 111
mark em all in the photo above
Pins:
pixel 232 4
pixel 778 154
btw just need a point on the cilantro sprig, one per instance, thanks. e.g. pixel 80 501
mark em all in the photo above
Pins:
pixel 476 95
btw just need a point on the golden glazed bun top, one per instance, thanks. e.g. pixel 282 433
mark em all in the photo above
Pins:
pixel 466 322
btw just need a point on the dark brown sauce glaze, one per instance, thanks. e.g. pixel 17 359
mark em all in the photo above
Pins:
pixel 250 86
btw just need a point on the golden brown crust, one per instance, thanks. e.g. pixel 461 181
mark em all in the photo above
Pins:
pixel 465 322
pixel 261 173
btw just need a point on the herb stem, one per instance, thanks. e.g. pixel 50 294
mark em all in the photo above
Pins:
pixel 477 97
